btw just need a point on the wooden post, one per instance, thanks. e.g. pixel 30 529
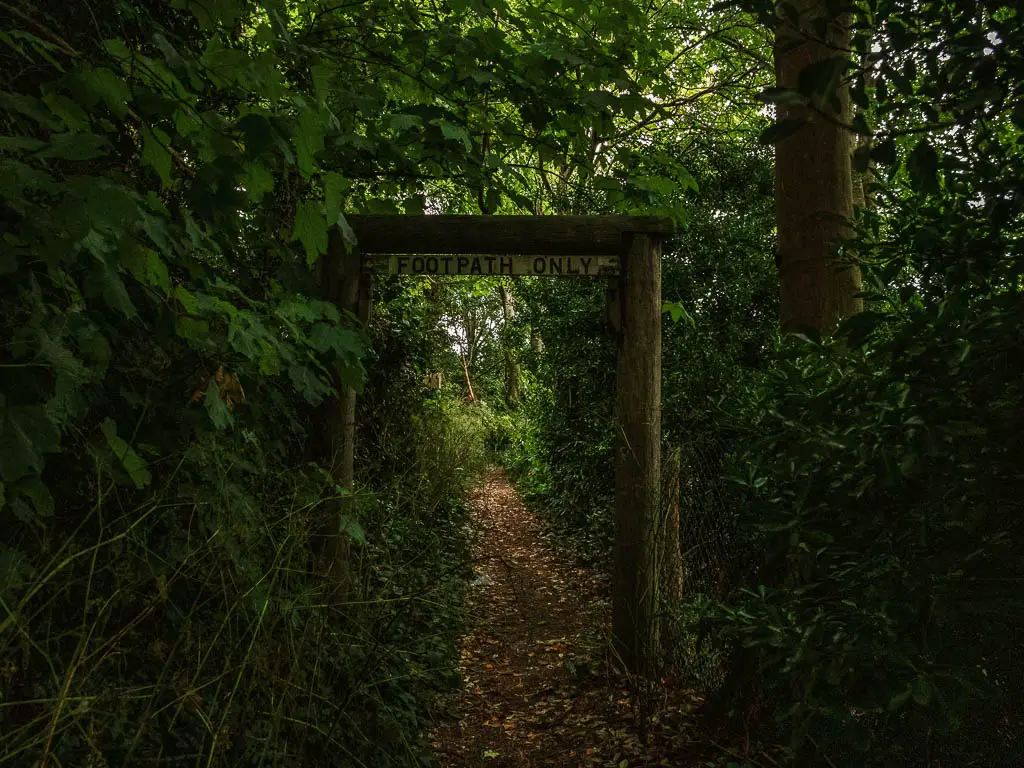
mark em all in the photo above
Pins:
pixel 638 452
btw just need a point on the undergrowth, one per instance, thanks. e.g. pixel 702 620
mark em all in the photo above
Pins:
pixel 191 626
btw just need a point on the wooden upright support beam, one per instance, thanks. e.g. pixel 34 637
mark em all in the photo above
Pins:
pixel 346 285
pixel 638 451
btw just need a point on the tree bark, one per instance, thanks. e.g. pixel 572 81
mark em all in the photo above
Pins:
pixel 470 395
pixel 813 181
pixel 536 341
pixel 508 312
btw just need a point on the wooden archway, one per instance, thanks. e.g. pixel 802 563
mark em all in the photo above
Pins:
pixel 623 249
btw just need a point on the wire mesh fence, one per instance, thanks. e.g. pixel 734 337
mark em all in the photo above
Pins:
pixel 708 534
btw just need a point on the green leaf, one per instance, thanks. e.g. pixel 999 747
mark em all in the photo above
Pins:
pixel 353 529
pixel 104 281
pixel 334 188
pixel 132 463
pixel 923 167
pixel 75 146
pixel 348 235
pixel 72 115
pixel 30 107
pixel 191 328
pixel 148 268
pixel 678 313
pixel 110 88
pixel 885 152
pixel 117 48
pixel 309 140
pixel 401 122
pixel 821 78
pixel 456 133
pixel 37 492
pixel 20 143
pixel 310 230
pixel 257 181
pixel 155 153
pixel 782 129
pixel 332 338
pixel 308 383
pixel 216 407
pixel 26 434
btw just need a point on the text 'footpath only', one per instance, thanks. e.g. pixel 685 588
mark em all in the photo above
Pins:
pixel 557 266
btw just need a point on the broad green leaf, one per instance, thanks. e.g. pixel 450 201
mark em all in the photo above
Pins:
pixel 307 383
pixel 335 186
pixel 885 152
pixel 148 268
pixel 678 313
pixel 188 300
pixel 107 86
pixel 26 435
pixel 332 338
pixel 270 359
pixel 348 235
pixel 73 116
pixel 36 491
pixel 780 130
pixel 117 48
pixel 310 230
pixel 130 461
pixel 923 167
pixel 37 109
pixel 402 122
pixel 20 144
pixel 211 13
pixel 456 133
pixel 156 153
pixel 104 281
pixel 353 529
pixel 75 146
pixel 191 328
pixel 217 409
pixel 257 181
pixel 309 140
pixel 821 78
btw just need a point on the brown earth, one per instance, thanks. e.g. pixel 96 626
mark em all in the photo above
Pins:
pixel 539 688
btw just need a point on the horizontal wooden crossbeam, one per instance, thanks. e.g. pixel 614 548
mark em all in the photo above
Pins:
pixel 502 235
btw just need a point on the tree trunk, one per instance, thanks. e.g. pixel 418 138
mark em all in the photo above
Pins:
pixel 813 182
pixel 508 311
pixel 470 395
pixel 536 342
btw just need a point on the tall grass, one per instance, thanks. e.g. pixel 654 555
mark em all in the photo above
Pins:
pixel 192 627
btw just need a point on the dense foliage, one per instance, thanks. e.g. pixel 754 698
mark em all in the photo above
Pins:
pixel 885 485
pixel 169 174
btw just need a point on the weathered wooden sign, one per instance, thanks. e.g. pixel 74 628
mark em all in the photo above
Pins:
pixel 548 266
